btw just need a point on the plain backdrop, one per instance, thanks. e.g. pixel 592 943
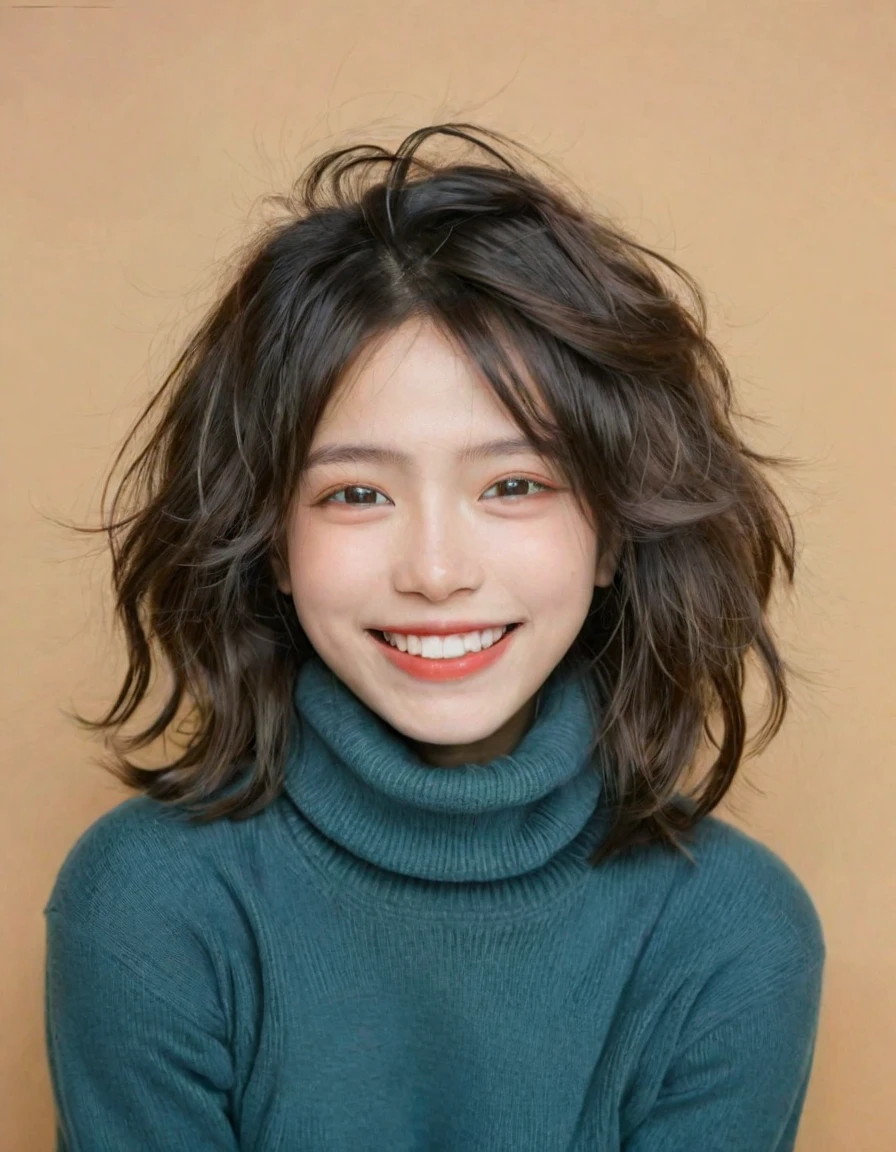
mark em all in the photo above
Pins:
pixel 750 140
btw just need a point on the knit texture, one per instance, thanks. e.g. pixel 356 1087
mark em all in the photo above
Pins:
pixel 403 958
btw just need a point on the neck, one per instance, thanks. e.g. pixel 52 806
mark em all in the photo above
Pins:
pixel 499 743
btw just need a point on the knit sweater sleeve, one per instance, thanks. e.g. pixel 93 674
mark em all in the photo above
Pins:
pixel 136 1035
pixel 737 1079
pixel 739 1088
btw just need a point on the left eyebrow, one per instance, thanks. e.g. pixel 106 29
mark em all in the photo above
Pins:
pixel 382 454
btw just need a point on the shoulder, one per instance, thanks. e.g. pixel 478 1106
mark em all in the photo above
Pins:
pixel 753 892
pixel 726 931
pixel 138 853
pixel 127 901
pixel 730 894
pixel 147 889
pixel 741 926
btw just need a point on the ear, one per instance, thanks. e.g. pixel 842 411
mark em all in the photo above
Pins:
pixel 606 567
pixel 281 575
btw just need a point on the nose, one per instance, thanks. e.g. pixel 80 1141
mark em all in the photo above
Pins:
pixel 435 552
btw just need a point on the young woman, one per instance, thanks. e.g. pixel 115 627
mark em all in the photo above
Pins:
pixel 447 540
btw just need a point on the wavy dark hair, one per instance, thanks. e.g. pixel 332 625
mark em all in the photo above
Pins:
pixel 535 286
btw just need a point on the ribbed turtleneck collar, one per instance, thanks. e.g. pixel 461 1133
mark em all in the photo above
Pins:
pixel 354 778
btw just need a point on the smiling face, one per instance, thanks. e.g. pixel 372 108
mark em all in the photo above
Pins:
pixel 439 538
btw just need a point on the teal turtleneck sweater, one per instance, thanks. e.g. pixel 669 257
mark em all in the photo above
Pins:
pixel 403 958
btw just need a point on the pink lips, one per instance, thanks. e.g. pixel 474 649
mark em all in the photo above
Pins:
pixel 453 668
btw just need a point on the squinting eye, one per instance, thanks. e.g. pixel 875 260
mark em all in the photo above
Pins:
pixel 352 503
pixel 518 480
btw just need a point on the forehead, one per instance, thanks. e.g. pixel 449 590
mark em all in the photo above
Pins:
pixel 414 381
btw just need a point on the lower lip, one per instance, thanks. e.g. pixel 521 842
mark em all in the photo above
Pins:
pixel 454 668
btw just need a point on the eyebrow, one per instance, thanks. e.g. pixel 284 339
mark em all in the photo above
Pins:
pixel 382 454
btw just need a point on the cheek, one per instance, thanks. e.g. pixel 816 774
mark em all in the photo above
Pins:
pixel 330 565
pixel 552 556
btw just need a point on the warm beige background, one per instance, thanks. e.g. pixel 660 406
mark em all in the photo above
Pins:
pixel 749 139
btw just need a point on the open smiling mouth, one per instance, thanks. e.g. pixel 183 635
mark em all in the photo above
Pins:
pixel 508 629
pixel 444 667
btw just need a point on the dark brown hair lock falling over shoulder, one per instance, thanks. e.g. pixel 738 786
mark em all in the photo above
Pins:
pixel 533 286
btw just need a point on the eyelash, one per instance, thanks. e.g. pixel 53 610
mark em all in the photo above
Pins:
pixel 366 488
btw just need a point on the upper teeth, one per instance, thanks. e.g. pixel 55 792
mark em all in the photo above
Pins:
pixel 444 647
